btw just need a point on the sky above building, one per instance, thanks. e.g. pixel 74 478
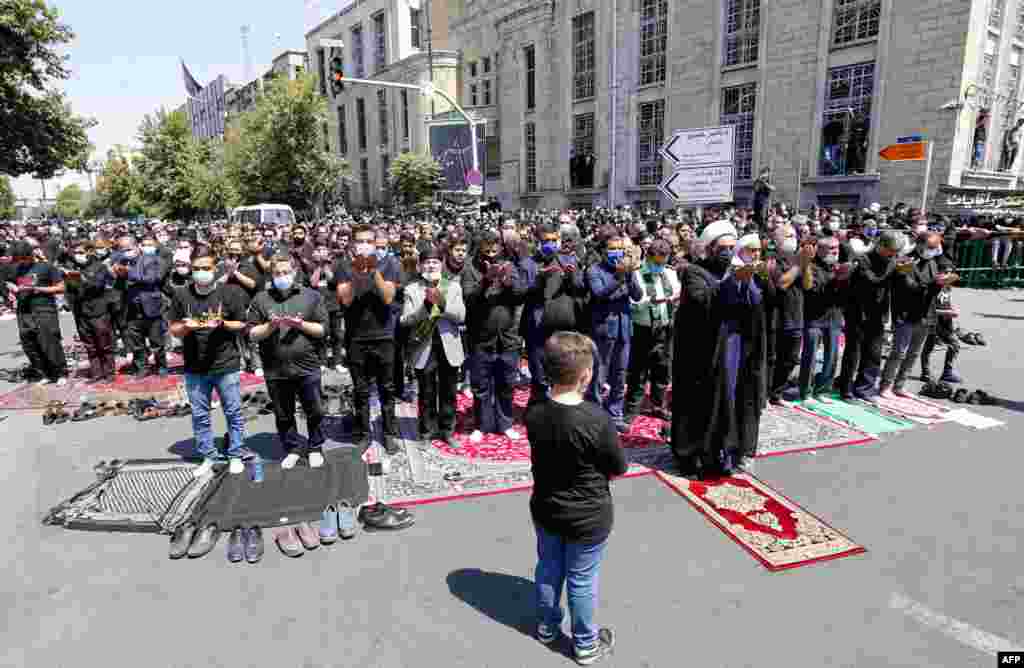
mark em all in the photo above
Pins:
pixel 125 63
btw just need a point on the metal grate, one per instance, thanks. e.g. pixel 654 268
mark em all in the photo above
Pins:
pixel 847 119
pixel 653 40
pixel 856 20
pixel 650 135
pixel 358 65
pixel 742 31
pixel 380 38
pixel 144 492
pixel 583 49
pixel 530 139
pixel 382 117
pixel 738 108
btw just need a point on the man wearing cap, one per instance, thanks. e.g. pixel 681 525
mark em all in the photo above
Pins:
pixel 718 359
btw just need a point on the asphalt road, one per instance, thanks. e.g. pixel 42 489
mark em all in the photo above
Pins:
pixel 939 510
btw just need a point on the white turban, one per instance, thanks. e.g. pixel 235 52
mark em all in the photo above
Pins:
pixel 749 241
pixel 717 230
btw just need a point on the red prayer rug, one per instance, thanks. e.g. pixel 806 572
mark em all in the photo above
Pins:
pixel 912 408
pixel 772 528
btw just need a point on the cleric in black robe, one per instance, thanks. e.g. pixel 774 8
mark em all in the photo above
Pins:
pixel 719 360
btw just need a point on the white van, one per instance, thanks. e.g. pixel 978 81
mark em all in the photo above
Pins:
pixel 264 214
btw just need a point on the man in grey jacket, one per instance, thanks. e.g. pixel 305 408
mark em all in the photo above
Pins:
pixel 432 312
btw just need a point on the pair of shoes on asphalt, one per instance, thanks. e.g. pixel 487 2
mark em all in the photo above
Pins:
pixel 316 460
pixel 939 390
pixel 192 541
pixel 980 397
pixel 381 517
pixel 245 543
pixel 585 657
pixel 338 521
pixel 294 541
pixel 235 466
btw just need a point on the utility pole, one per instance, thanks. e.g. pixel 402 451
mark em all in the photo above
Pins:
pixel 430 55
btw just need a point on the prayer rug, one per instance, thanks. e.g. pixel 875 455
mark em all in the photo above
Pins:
pixel 772 528
pixel 864 417
pixel 912 409
pixel 788 430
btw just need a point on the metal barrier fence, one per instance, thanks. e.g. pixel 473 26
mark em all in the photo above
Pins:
pixel 977 268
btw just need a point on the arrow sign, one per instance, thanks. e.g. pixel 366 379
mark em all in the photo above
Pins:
pixel 701 147
pixel 667 150
pixel 904 152
pixel 699 185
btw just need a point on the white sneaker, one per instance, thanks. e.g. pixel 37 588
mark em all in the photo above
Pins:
pixel 512 434
pixel 289 461
pixel 323 368
pixel 44 381
pixel 476 436
pixel 259 372
pixel 316 460
pixel 203 469
pixel 62 381
pixel 235 466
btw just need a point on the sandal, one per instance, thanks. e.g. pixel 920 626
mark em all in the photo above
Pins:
pixel 978 340
pixel 960 397
pixel 86 411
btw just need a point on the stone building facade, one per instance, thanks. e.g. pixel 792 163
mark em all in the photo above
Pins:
pixel 580 95
pixel 370 125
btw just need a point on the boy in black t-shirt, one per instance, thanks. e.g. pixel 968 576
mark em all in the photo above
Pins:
pixel 36 285
pixel 574 449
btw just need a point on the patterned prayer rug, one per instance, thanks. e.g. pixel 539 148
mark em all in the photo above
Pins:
pixel 913 409
pixel 862 416
pixel 772 528
pixel 788 430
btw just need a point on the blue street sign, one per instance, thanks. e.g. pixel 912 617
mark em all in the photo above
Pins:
pixel 910 139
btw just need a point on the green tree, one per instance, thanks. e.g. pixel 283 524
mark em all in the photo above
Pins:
pixel 70 201
pixel 207 179
pixel 39 134
pixel 7 199
pixel 167 157
pixel 414 177
pixel 276 152
pixel 117 186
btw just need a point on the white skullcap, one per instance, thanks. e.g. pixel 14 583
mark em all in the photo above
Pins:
pixel 858 247
pixel 183 255
pixel 800 219
pixel 749 241
pixel 717 230
pixel 875 207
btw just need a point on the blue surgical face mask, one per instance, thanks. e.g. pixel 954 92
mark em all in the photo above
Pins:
pixel 284 282
pixel 550 247
pixel 382 253
pixel 656 268
pixel 149 250
pixel 871 232
pixel 615 256
pixel 725 254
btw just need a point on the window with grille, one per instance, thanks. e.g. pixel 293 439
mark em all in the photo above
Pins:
pixel 380 42
pixel 472 70
pixel 342 133
pixel 474 97
pixel 995 14
pixel 530 140
pixel 361 122
pixel 385 166
pixel 358 64
pixel 583 133
pixel 321 59
pixel 583 50
pixel 382 116
pixel 856 20
pixel 494 150
pixel 846 121
pixel 738 107
pixel 1020 19
pixel 487 91
pixel 486 64
pixel 364 178
pixel 653 40
pixel 530 61
pixel 742 31
pixel 650 134
pixel 414 27
pixel 405 114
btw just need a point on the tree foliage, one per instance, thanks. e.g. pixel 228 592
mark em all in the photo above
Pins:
pixel 276 152
pixel 70 201
pixel 414 177
pixel 118 188
pixel 166 159
pixel 7 199
pixel 39 134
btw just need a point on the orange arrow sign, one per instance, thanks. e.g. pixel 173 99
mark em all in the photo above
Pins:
pixel 897 152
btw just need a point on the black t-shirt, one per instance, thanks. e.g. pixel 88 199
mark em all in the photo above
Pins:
pixel 574 451
pixel 40 275
pixel 790 300
pixel 288 353
pixel 210 351
pixel 368 318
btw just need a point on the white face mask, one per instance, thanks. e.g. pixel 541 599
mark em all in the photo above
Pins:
pixel 931 253
pixel 365 249
pixel 81 258
pixel 789 246
pixel 432 276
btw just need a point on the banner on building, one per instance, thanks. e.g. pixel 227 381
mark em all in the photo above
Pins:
pixel 451 147
pixel 978 201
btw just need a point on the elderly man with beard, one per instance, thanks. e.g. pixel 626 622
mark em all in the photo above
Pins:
pixel 719 359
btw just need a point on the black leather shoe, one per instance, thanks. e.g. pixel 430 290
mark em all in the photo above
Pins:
pixel 388 519
pixel 369 513
pixel 392 446
pixel 181 539
pixel 236 551
pixel 204 541
pixel 252 542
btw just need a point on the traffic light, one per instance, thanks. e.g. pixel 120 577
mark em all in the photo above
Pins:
pixel 337 75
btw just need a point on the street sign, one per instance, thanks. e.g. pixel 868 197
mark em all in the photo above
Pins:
pixel 909 139
pixel 699 185
pixel 701 147
pixel 902 152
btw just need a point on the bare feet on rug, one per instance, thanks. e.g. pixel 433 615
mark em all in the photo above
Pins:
pixel 290 461
pixel 887 394
pixel 316 460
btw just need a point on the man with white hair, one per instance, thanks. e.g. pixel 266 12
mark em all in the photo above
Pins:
pixel 718 358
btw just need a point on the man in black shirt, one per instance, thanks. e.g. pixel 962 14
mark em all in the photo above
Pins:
pixel 366 290
pixel 322 280
pixel 289 321
pixel 208 318
pixel 36 285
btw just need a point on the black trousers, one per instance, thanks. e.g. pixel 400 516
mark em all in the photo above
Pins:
pixel 942 332
pixel 862 359
pixel 42 342
pixel 401 343
pixel 436 398
pixel 97 334
pixel 787 359
pixel 137 332
pixel 373 361
pixel 649 358
pixel 283 393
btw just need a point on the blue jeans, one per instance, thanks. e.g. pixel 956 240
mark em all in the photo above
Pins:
pixel 576 565
pixel 611 364
pixel 229 387
pixel 822 382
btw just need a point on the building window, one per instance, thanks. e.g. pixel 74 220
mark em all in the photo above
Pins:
pixel 493 150
pixel 650 134
pixel 385 177
pixel 361 122
pixel 653 40
pixel 995 14
pixel 738 105
pixel 583 56
pixel 358 64
pixel 530 59
pixel 380 42
pixel 846 121
pixel 321 59
pixel 473 98
pixel 1020 19
pixel 583 160
pixel 530 140
pixel 742 31
pixel 487 92
pixel 486 64
pixel 856 20
pixel 382 117
pixel 988 64
pixel 342 133
pixel 472 70
pixel 405 114
pixel 364 178
pixel 414 27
